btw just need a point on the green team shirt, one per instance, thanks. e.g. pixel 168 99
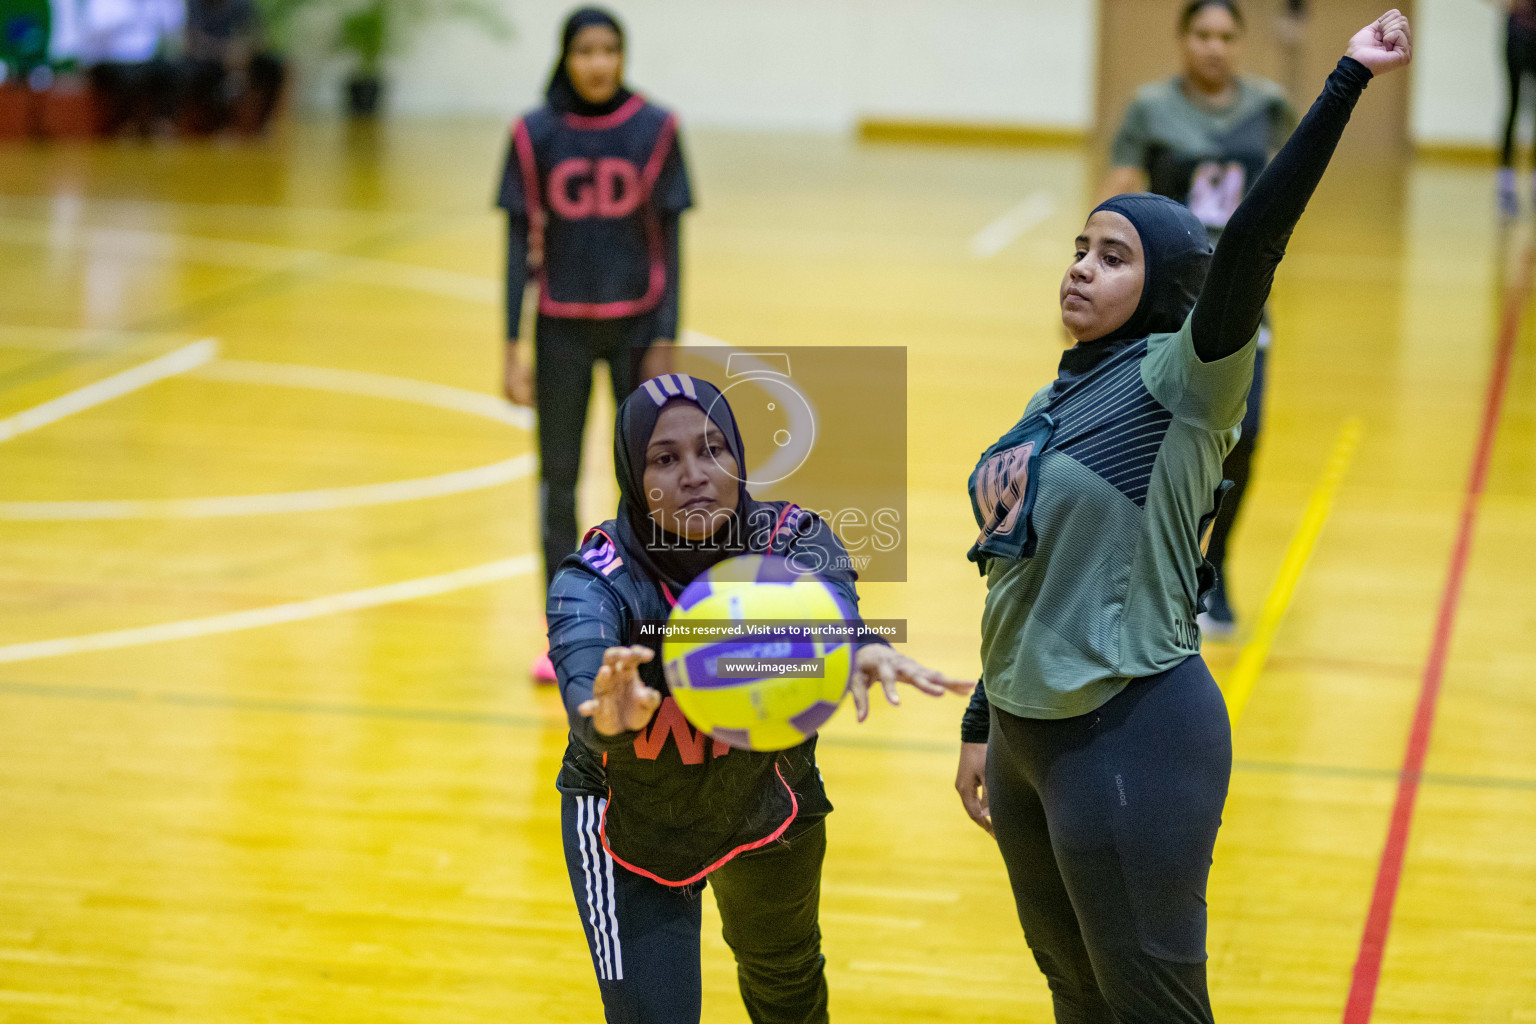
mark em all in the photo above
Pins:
pixel 1201 156
pixel 1124 484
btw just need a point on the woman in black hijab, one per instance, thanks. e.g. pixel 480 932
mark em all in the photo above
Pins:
pixel 594 188
pixel 1098 749
pixel 651 808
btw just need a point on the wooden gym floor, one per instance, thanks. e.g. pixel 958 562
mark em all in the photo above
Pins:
pixel 268 587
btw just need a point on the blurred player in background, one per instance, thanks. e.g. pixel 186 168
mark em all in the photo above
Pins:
pixel 1098 749
pixel 650 806
pixel 594 188
pixel 1520 63
pixel 126 44
pixel 1201 138
pixel 227 75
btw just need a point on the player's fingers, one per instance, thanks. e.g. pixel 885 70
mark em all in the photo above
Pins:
pixel 587 708
pixel 643 654
pixel 913 674
pixel 925 684
pixel 859 690
pixel 643 702
pixel 975 809
pixel 888 683
pixel 939 683
pixel 602 683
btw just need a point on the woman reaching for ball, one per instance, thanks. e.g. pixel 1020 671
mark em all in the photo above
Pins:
pixel 652 807
pixel 1102 763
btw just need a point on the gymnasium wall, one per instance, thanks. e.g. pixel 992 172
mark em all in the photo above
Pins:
pixel 822 64
pixel 773 64
pixel 1458 81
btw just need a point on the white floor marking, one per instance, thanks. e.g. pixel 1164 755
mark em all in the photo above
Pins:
pixel 77 339
pixel 353 382
pixel 188 357
pixel 255 618
pixel 475 479
pixel 371 385
pixel 1011 226
pixel 133 244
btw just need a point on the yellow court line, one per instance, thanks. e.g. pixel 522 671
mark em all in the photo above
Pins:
pixel 1250 663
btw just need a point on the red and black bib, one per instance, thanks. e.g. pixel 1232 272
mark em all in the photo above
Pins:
pixel 594 190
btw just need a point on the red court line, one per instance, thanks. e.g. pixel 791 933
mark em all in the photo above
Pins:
pixel 1378 922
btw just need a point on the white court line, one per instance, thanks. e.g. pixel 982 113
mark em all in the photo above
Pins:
pixel 132 244
pixel 1008 228
pixel 78 339
pixel 188 357
pixel 371 385
pixel 255 618
pixel 325 500
pixel 352 382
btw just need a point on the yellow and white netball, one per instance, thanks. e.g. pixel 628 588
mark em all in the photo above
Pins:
pixel 758 709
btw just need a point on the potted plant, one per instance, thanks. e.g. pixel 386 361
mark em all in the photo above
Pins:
pixel 363 34
pixel 372 30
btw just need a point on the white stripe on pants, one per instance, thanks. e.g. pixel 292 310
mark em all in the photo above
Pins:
pixel 597 868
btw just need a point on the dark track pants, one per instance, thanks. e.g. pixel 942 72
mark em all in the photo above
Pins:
pixel 1519 63
pixel 1238 464
pixel 644 936
pixel 1106 823
pixel 565 353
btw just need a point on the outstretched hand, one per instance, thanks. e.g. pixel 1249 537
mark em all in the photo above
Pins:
pixel 620 701
pixel 877 664
pixel 1384 45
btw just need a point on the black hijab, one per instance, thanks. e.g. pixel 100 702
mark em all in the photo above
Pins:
pixel 560 93
pixel 666 557
pixel 1177 252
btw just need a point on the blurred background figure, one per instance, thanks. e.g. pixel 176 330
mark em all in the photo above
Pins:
pixel 1201 138
pixel 1520 63
pixel 594 187
pixel 227 78
pixel 127 44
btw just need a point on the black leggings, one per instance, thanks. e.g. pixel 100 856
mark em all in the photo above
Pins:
pixel 1106 823
pixel 644 936
pixel 565 352
pixel 1519 61
pixel 1236 468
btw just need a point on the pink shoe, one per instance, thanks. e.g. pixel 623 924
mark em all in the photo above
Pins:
pixel 542 669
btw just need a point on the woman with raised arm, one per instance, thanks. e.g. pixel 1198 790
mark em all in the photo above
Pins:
pixel 1098 749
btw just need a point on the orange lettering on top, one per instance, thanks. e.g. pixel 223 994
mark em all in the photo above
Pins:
pixel 669 721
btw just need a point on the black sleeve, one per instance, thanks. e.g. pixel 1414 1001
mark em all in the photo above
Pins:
pixel 585 619
pixel 1243 268
pixel 976 724
pixel 666 312
pixel 517 269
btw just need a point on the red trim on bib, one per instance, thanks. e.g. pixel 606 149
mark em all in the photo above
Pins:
pixel 794 810
pixel 587 123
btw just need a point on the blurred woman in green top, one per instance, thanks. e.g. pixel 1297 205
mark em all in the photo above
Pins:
pixel 1202 137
